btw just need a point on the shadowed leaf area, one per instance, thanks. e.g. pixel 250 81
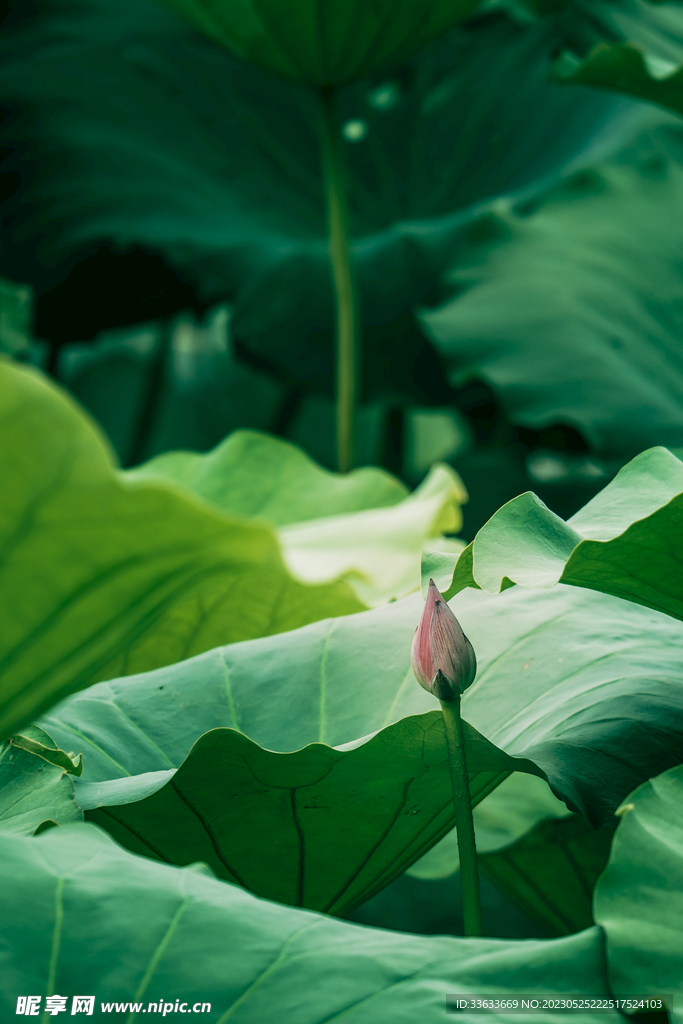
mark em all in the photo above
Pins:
pixel 630 47
pixel 551 872
pixel 195 155
pixel 323 43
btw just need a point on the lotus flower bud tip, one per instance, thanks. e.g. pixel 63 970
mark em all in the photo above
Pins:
pixel 442 657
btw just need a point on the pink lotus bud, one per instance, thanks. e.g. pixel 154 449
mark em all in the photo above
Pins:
pixel 442 657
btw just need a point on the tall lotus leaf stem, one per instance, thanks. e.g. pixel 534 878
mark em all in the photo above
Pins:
pixel 464 823
pixel 342 276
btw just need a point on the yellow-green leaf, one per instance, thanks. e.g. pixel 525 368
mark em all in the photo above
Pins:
pixel 103 576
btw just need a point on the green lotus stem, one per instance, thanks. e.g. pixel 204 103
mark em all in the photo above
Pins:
pixel 464 823
pixel 342 277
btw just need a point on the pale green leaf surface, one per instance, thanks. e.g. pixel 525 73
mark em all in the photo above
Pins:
pixel 126 928
pixel 363 527
pixel 361 812
pixel 551 665
pixel 639 899
pixel 36 741
pixel 101 576
pixel 438 564
pixel 331 682
pixel 334 825
pixel 125 790
pixel 378 551
pixel 624 542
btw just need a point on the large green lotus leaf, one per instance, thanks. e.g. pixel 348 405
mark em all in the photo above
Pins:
pixel 570 308
pixel 639 899
pixel 101 576
pixel 363 527
pixel 360 810
pixel 504 816
pixel 331 826
pixel 314 43
pixel 136 131
pixel 331 682
pixel 624 542
pixel 127 929
pixel 568 680
pixel 33 791
pixel 551 872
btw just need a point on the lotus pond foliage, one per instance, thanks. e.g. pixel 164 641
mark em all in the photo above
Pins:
pixel 341 438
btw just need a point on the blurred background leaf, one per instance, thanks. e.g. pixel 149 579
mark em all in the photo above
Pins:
pixel 15 318
pixel 179 177
pixel 323 46
pixel 178 147
pixel 628 47
pixel 163 385
pixel 163 190
pixel 574 312
pixel 626 68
